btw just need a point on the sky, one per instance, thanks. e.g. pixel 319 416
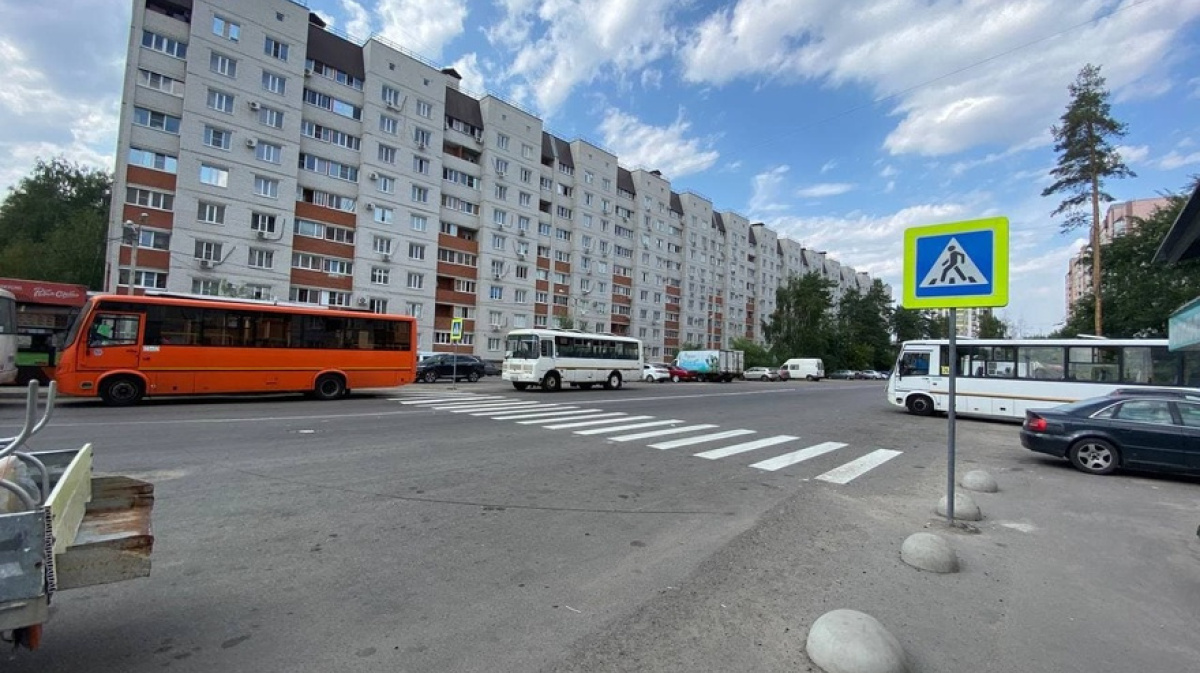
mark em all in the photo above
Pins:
pixel 838 124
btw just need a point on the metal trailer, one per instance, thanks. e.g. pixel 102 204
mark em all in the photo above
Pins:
pixel 712 365
pixel 61 527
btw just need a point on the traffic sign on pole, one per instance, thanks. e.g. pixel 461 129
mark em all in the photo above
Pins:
pixel 456 330
pixel 957 265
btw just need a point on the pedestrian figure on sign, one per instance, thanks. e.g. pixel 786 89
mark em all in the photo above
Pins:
pixel 955 258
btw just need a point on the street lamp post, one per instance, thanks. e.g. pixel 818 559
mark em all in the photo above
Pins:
pixel 133 251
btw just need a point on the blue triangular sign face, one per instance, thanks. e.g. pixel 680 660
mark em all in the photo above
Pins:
pixel 953 268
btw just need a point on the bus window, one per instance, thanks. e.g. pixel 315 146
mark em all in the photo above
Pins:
pixel 914 364
pixel 1093 364
pixel 1040 362
pixel 547 348
pixel 113 330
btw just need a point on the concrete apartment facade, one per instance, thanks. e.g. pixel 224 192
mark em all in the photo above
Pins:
pixel 262 155
pixel 1120 219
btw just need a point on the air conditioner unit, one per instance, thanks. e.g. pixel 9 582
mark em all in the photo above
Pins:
pixel 392 106
pixel 520 255
pixel 261 234
pixel 422 146
pixel 500 174
pixel 251 143
pixel 387 256
pixel 497 276
pixel 308 72
pixel 370 206
pixel 521 232
pixel 206 264
pixel 495 328
pixel 373 177
pixel 362 301
pixel 254 105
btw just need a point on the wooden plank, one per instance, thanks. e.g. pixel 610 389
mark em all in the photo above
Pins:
pixel 114 541
pixel 69 498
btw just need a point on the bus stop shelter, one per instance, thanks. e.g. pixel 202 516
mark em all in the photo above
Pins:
pixel 1181 243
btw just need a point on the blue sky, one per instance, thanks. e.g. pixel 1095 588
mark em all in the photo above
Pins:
pixel 837 123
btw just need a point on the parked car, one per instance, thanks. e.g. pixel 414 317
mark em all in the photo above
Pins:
pixel 844 374
pixel 492 368
pixel 680 374
pixel 1178 393
pixel 652 373
pixel 449 365
pixel 1100 434
pixel 874 375
pixel 809 369
pixel 761 374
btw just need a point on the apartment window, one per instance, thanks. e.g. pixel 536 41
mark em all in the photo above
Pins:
pixel 501 193
pixel 208 250
pixel 420 165
pixel 328 135
pixel 275 48
pixel 389 125
pixel 544 228
pixel 269 152
pixel 222 64
pixel 501 167
pixel 387 154
pixel 521 272
pixel 418 222
pixel 261 259
pixel 422 137
pixel 328 232
pixel 206 286
pixel 384 215
pixel 496 292
pixel 153 80
pixel 151 279
pixel 502 141
pixel 415 281
pixel 337 267
pixel 264 186
pixel 306 261
pixel 269 116
pixel 218 138
pixel 526 175
pixel 412 308
pixel 274 83
pixel 525 199
pixel 498 242
pixel 391 97
pixel 149 198
pixel 563 212
pixel 214 175
pixel 155 120
pixel 377 305
pixel 522 223
pixel 334 105
pixel 225 28
pixel 499 217
pixel 330 72
pixel 380 275
pixel 153 160
pixel 166 45
pixel 420 194
pixel 416 251
pixel 424 109
pixel 386 184
pixel 562 234
pixel 334 169
pixel 262 223
pixel 520 297
pixel 212 213
pixel 149 238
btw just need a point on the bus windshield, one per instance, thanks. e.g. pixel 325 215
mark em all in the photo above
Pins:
pixel 523 347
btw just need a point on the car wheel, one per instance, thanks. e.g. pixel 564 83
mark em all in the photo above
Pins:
pixel 809 378
pixel 329 387
pixel 473 377
pixel 920 405
pixel 430 376
pixel 552 383
pixel 1094 456
pixel 121 391
pixel 649 378
pixel 675 378
pixel 765 378
pixel 613 382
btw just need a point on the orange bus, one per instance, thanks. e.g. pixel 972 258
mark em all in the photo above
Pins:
pixel 124 348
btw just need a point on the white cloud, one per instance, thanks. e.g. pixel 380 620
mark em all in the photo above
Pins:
pixel 652 78
pixel 1133 154
pixel 358 25
pixel 422 26
pixel 888 171
pixel 824 189
pixel 472 75
pixel 1175 160
pixel 1001 70
pixel 765 190
pixel 561 44
pixel 829 166
pixel 665 148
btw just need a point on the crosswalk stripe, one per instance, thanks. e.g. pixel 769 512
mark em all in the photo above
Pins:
pixel 462 404
pixel 537 406
pixel 659 433
pixel 437 400
pixel 621 428
pixel 688 441
pixel 603 421
pixel 844 474
pixel 794 457
pixel 747 446
pixel 490 406
pixel 563 412
pixel 535 421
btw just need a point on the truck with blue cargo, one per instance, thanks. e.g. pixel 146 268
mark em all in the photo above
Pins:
pixel 712 365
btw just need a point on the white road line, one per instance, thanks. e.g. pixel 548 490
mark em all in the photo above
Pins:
pixel 659 433
pixel 537 406
pixel 564 412
pixel 748 446
pixel 603 421
pixel 535 421
pixel 437 400
pixel 620 428
pixel 485 406
pixel 688 441
pixel 798 456
pixel 856 468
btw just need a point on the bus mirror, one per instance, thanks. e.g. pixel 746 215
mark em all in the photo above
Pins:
pixel 507 354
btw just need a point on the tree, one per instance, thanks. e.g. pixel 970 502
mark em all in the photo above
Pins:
pixel 754 355
pixel 54 222
pixel 863 335
pixel 991 327
pixel 911 324
pixel 801 325
pixel 1085 159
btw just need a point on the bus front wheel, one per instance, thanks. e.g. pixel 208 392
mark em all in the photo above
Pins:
pixel 920 405
pixel 329 387
pixel 121 391
pixel 552 383
pixel 613 382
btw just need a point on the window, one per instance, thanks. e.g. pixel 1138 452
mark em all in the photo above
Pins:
pixel 496 292
pixel 384 215
pixel 149 238
pixel 206 286
pixel 337 267
pixel 153 160
pixel 155 120
pixel 420 165
pixel 334 74
pixel 391 97
pixel 382 245
pixel 415 281
pixel 152 279
pixel 166 45
pixel 1157 412
pixel 222 64
pixel 498 242
pixel 268 152
pixel 214 175
pixel 208 250
pixel 149 198
pixel 328 135
pixel 212 213
pixel 424 109
pixel 153 80
pixel 274 83
pixel 387 154
pixel 418 222
pixel 501 193
pixel 218 138
pixel 264 186
pixel 501 167
pixel 422 137
pixel 416 251
pixel 499 217
pixel 388 125
pixel 380 275
pixel 526 152
pixel 334 169
pixel 225 28
pixel 502 141
pixel 526 175
pixel 261 259
pixel 385 184
pixel 275 48
pixel 420 194
pixel 413 308
pixel 525 199
pixel 325 199
pixel 269 116
pixel 262 223
pixel 334 105
pixel 329 232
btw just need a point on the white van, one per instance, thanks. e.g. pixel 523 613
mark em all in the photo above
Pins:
pixel 809 369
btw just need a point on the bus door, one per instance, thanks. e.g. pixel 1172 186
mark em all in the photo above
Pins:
pixel 913 371
pixel 113 341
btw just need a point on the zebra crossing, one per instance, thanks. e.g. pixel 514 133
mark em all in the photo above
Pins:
pixel 620 426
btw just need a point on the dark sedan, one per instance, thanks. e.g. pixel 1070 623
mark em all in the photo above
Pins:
pixel 457 367
pixel 1101 434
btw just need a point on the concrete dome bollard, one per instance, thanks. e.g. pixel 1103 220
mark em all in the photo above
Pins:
pixel 965 508
pixel 929 552
pixel 849 641
pixel 979 480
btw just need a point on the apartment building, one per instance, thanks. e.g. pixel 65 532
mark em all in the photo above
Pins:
pixel 1120 219
pixel 262 155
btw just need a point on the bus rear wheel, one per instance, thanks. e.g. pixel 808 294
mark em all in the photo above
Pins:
pixel 613 382
pixel 329 387
pixel 920 405
pixel 552 383
pixel 121 391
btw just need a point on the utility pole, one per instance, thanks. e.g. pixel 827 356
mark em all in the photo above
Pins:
pixel 133 251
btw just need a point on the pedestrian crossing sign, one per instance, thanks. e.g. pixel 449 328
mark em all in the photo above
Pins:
pixel 456 329
pixel 957 265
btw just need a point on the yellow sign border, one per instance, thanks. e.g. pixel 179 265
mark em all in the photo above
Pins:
pixel 999 295
pixel 456 329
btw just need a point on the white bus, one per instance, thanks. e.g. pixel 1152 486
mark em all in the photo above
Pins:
pixel 551 357
pixel 1001 378
pixel 8 337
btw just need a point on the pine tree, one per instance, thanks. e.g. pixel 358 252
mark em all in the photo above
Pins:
pixel 1085 159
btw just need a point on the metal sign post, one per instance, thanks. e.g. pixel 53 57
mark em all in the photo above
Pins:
pixel 456 330
pixel 950 416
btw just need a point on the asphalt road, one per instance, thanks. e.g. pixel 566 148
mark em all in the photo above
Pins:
pixel 389 532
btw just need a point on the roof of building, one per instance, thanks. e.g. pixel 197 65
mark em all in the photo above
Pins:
pixel 625 180
pixel 464 108
pixel 1182 241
